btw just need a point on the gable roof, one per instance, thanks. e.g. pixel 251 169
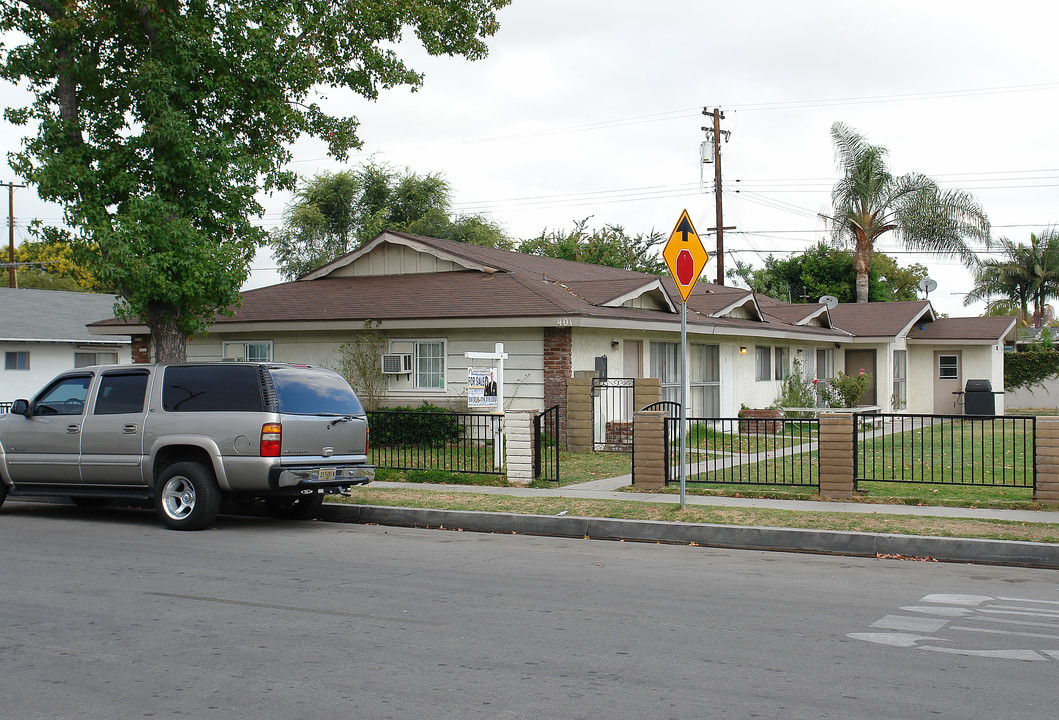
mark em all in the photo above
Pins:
pixel 972 329
pixel 32 315
pixel 880 319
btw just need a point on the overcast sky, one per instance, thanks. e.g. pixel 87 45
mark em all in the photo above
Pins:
pixel 594 108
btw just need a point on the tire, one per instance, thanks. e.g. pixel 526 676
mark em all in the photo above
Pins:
pixel 301 507
pixel 90 502
pixel 186 496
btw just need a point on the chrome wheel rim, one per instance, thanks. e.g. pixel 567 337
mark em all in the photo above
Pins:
pixel 178 498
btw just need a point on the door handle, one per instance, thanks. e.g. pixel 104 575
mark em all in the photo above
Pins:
pixel 73 429
pixel 129 429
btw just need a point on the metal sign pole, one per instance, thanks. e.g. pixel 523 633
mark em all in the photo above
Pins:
pixel 683 398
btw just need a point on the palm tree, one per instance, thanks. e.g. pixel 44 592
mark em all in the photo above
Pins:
pixel 1024 273
pixel 868 201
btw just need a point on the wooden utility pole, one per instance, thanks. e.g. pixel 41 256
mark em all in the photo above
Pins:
pixel 717 116
pixel 11 231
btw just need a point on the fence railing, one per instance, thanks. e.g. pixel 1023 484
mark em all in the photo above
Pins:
pixel 746 451
pixel 546 445
pixel 945 449
pixel 5 407
pixel 453 442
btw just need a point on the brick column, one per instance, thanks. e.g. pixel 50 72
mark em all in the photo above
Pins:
pixel 141 348
pixel 518 432
pixel 649 449
pixel 646 391
pixel 1047 442
pixel 836 455
pixel 558 368
pixel 579 413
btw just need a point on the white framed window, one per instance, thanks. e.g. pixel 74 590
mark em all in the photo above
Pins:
pixel 900 395
pixel 704 375
pixel 783 362
pixel 948 367
pixel 246 351
pixel 17 360
pixel 762 363
pixel 84 359
pixel 825 364
pixel 429 364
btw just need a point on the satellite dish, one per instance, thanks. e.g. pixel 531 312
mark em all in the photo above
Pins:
pixel 928 286
pixel 829 300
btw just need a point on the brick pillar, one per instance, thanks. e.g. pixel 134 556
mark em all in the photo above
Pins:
pixel 558 368
pixel 649 449
pixel 518 432
pixel 141 348
pixel 579 413
pixel 836 455
pixel 1047 442
pixel 646 391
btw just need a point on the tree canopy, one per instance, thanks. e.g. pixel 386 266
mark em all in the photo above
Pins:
pixel 608 245
pixel 868 202
pixel 50 263
pixel 333 213
pixel 156 124
pixel 826 270
pixel 1023 273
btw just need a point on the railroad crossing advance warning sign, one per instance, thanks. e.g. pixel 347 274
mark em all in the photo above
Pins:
pixel 685 256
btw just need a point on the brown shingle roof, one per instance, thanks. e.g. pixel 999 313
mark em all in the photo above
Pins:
pixel 993 329
pixel 879 319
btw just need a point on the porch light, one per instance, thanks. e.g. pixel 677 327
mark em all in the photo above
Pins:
pixel 742 350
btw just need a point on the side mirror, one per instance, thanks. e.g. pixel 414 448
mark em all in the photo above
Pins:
pixel 20 407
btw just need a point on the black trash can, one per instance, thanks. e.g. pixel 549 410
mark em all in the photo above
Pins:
pixel 979 398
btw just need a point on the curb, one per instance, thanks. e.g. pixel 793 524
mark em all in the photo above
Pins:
pixel 739 537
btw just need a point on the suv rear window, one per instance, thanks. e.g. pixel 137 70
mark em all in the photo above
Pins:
pixel 212 388
pixel 314 391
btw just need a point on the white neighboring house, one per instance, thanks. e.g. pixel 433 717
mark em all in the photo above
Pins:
pixel 43 333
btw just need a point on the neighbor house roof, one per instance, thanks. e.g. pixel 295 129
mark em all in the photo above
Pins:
pixel 32 315
pixel 972 329
pixel 880 319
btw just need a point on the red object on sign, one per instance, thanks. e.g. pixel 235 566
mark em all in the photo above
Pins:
pixel 685 267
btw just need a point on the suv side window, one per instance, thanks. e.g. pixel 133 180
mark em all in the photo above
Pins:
pixel 212 388
pixel 63 397
pixel 121 393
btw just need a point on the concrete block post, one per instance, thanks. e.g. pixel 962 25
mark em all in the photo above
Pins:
pixel 836 455
pixel 646 391
pixel 518 431
pixel 649 449
pixel 579 413
pixel 1047 442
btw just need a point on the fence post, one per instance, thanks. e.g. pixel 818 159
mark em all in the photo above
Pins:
pixel 579 412
pixel 1047 459
pixel 649 449
pixel 518 428
pixel 836 455
pixel 645 392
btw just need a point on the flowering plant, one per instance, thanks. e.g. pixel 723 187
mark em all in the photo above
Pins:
pixel 847 389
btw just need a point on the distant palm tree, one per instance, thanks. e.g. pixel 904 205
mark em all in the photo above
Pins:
pixel 868 202
pixel 1024 273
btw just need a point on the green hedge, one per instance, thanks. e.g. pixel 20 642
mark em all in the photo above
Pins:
pixel 1026 369
pixel 427 425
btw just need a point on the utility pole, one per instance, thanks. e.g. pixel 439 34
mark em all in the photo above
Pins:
pixel 11 231
pixel 715 132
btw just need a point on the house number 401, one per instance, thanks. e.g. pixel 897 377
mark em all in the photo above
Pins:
pixel 564 322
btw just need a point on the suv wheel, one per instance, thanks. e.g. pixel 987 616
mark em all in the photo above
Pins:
pixel 186 496
pixel 302 507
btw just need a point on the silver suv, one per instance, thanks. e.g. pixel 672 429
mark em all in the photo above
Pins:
pixel 188 437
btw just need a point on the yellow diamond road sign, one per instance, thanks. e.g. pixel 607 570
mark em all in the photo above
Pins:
pixel 685 256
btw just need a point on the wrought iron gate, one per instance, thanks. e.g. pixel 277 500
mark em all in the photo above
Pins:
pixel 612 408
pixel 546 445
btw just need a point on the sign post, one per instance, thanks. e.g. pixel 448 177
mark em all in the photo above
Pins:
pixel 686 258
pixel 489 391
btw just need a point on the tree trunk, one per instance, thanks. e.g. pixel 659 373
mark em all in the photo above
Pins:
pixel 862 265
pixel 170 343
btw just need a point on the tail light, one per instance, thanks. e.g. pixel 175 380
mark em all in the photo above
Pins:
pixel 367 440
pixel 271 439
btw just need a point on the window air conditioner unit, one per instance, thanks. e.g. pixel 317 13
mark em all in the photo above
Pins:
pixel 397 363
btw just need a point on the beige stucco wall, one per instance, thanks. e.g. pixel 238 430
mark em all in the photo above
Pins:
pixel 977 361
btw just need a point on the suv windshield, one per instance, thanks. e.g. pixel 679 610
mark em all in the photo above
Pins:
pixel 314 391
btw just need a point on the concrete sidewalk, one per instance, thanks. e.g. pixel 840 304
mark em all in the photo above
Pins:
pixel 967 550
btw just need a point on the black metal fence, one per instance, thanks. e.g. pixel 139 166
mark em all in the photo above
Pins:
pixel 453 442
pixel 746 451
pixel 546 445
pixel 612 408
pixel 945 449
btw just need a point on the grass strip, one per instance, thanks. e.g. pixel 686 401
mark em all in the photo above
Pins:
pixel 754 517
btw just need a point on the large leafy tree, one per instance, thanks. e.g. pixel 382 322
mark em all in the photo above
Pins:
pixel 51 263
pixel 826 270
pixel 608 245
pixel 157 123
pixel 868 202
pixel 332 213
pixel 1021 275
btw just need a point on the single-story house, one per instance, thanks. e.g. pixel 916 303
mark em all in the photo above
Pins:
pixel 44 333
pixel 437 300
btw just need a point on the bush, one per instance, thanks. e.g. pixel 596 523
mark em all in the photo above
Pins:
pixel 797 391
pixel 424 425
pixel 1026 369
pixel 847 389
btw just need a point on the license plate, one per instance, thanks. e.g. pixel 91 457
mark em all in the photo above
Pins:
pixel 326 474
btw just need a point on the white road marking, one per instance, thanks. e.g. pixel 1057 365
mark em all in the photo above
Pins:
pixel 993 631
pixel 893 639
pixel 1030 600
pixel 1016 610
pixel 942 611
pixel 1000 654
pixel 957 599
pixel 909 624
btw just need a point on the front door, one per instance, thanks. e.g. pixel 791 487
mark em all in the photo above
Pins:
pixel 633 365
pixel 948 376
pixel 857 360
pixel 45 447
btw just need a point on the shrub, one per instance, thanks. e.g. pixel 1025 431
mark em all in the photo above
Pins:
pixel 797 391
pixel 847 389
pixel 424 425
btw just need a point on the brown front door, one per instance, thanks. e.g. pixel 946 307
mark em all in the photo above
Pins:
pixel 857 360
pixel 948 378
pixel 633 365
